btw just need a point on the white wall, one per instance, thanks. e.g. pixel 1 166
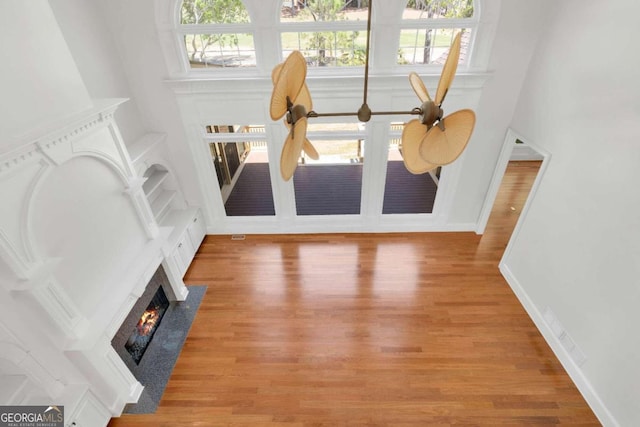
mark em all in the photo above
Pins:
pixel 516 36
pixel 578 251
pixel 39 81
pixel 132 26
pixel 89 40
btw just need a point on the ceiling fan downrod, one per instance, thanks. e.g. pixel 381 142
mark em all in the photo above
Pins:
pixel 364 112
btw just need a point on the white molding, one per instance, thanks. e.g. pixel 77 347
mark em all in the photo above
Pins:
pixel 22 268
pixel 496 181
pixel 108 375
pixel 498 173
pixel 322 84
pixel 143 148
pixel 337 224
pixel 48 140
pixel 58 305
pixel 575 373
pixel 530 198
pixel 178 288
pixel 33 369
pixel 142 207
pixel 88 411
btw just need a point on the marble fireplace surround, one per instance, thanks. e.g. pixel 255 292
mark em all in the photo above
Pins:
pixel 156 365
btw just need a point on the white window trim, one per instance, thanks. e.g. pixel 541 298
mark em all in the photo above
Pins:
pixel 382 59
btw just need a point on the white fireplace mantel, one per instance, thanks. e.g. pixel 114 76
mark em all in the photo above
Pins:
pixel 61 334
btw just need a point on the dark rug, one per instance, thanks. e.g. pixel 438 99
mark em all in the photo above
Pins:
pixel 331 190
pixel 406 193
pixel 252 194
pixel 165 346
pixel 328 189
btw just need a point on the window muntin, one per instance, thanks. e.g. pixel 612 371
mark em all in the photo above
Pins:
pixel 326 32
pixel 323 11
pixel 218 34
pixel 215 34
pixel 327 48
pixel 438 9
pixel 428 28
pixel 198 12
pixel 431 45
pixel 220 50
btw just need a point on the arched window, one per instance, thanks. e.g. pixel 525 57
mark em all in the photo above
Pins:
pixel 326 32
pixel 216 34
pixel 428 28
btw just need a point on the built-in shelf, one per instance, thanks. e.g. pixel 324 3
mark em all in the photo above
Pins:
pixel 144 145
pixel 179 220
pixel 153 183
pixel 182 227
pixel 184 239
pixel 160 205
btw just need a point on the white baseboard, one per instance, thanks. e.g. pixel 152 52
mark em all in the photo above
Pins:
pixel 574 371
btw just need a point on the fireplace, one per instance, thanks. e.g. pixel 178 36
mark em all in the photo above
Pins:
pixel 151 337
pixel 134 338
pixel 147 325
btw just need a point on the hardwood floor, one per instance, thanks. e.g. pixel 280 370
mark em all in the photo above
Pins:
pixel 366 330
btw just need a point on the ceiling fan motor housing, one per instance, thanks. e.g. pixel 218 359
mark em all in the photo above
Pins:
pixel 430 113
pixel 295 113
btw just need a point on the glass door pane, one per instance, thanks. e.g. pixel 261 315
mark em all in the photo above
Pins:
pixel 331 185
pixel 241 163
pixel 404 192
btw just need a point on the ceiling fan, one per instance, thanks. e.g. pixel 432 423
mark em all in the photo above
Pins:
pixel 291 97
pixel 427 142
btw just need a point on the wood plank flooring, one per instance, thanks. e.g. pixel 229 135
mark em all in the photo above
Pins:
pixel 366 330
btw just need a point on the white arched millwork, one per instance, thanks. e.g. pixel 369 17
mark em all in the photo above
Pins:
pixel 23 171
pixel 75 201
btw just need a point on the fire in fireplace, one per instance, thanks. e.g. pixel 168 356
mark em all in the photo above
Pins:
pixel 147 325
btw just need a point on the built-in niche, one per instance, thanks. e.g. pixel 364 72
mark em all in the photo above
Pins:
pixel 160 191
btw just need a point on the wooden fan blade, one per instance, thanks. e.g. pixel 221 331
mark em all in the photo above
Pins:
pixel 303 98
pixel 412 135
pixel 307 147
pixel 449 70
pixel 418 87
pixel 443 147
pixel 310 150
pixel 275 73
pixel 292 149
pixel 289 82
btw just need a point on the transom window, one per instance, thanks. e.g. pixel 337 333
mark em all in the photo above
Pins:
pixel 326 32
pixel 213 36
pixel 219 34
pixel 428 28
